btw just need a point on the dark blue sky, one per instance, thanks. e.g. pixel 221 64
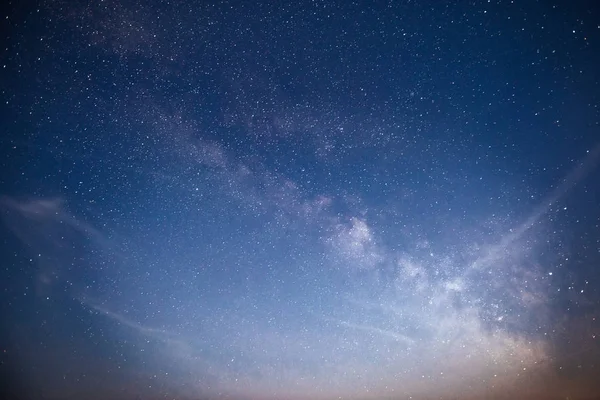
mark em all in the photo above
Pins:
pixel 324 200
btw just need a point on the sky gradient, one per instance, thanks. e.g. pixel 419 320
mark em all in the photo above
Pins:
pixel 317 200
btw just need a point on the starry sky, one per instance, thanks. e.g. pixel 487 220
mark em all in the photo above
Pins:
pixel 300 200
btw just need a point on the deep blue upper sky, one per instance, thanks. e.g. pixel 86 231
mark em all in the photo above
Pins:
pixel 260 200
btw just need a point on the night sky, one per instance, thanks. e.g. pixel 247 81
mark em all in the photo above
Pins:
pixel 311 200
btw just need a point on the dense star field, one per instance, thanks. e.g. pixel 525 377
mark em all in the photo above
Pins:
pixel 300 200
